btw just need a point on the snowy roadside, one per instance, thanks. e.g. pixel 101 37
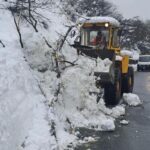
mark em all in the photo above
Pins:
pixel 23 115
pixel 30 121
pixel 73 106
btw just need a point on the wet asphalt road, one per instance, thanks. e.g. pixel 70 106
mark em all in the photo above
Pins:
pixel 134 136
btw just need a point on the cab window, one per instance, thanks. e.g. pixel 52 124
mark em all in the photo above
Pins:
pixel 115 39
pixel 88 35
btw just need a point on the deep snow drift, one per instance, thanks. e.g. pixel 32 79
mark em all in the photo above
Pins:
pixel 39 110
pixel 23 115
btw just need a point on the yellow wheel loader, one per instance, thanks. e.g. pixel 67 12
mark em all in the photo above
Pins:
pixel 100 37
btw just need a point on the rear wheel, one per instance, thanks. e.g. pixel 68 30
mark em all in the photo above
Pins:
pixel 112 92
pixel 128 81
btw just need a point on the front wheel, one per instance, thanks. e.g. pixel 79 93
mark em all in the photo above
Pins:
pixel 112 91
pixel 128 81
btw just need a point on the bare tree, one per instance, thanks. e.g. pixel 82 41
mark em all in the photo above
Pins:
pixel 27 11
pixel 17 24
pixel 2 43
pixel 91 8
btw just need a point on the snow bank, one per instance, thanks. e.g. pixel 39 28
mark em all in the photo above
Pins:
pixel 78 100
pixel 30 121
pixel 132 99
pixel 76 104
pixel 23 115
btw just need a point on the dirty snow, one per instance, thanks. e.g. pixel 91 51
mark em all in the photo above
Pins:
pixel 132 99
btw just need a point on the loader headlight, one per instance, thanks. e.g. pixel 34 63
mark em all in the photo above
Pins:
pixel 106 25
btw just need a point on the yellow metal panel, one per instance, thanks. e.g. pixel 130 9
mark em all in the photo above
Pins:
pixel 125 62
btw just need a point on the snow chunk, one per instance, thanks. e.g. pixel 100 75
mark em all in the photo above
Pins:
pixel 124 122
pixel 102 65
pixel 108 125
pixel 132 99
pixel 119 58
pixel 118 111
pixel 89 139
pixel 126 53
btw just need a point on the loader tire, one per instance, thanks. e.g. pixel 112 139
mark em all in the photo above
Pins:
pixel 128 81
pixel 112 92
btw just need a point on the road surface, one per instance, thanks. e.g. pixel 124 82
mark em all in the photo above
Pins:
pixel 134 136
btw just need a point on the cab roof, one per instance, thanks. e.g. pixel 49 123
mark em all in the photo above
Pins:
pixel 109 20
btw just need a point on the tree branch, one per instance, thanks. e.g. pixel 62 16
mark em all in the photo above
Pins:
pixel 64 38
pixel 2 43
pixel 19 33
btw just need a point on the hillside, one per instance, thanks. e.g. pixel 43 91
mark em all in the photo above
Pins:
pixel 41 106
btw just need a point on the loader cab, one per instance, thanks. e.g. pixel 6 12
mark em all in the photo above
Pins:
pixel 109 29
pixel 96 37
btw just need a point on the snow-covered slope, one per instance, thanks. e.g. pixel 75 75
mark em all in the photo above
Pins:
pixel 23 115
pixel 38 110
pixel 74 106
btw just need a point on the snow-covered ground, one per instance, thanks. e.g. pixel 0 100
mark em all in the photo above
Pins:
pixel 132 99
pixel 39 111
pixel 23 115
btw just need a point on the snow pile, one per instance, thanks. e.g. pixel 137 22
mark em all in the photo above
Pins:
pixel 110 20
pixel 38 109
pixel 126 53
pixel 135 55
pixel 88 140
pixel 118 111
pixel 102 65
pixel 23 115
pixel 77 99
pixel 132 99
pixel 124 122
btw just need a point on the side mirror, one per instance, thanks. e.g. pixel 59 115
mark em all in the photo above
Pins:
pixel 77 40
pixel 73 34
